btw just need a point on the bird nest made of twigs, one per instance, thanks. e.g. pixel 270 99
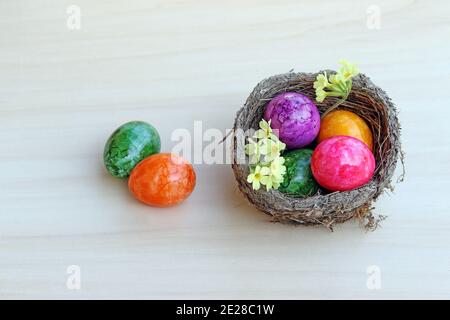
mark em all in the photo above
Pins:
pixel 324 208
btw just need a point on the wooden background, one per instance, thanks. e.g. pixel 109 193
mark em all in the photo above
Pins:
pixel 63 91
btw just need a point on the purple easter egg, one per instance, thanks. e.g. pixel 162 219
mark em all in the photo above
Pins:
pixel 295 117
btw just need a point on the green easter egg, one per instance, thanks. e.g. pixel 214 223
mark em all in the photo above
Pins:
pixel 298 180
pixel 129 145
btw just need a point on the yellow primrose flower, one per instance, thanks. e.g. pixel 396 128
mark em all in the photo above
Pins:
pixel 263 124
pixel 267 181
pixel 320 95
pixel 276 181
pixel 271 149
pixel 335 79
pixel 271 181
pixel 348 70
pixel 258 174
pixel 277 169
pixel 321 82
pixel 265 132
pixel 336 85
pixel 268 171
pixel 252 149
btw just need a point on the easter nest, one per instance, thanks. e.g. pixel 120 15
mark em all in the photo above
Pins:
pixel 324 208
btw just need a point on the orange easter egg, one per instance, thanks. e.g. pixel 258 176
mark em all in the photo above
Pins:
pixel 345 123
pixel 162 180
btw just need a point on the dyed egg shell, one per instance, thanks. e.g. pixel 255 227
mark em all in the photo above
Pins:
pixel 128 145
pixel 295 117
pixel 345 123
pixel 298 180
pixel 162 180
pixel 342 163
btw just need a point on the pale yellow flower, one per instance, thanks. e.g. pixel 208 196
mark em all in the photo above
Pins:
pixel 276 181
pixel 348 70
pixel 267 181
pixel 277 169
pixel 265 157
pixel 263 124
pixel 265 131
pixel 337 85
pixel 257 175
pixel 321 82
pixel 320 95
pixel 335 79
pixel 271 181
pixel 271 149
pixel 252 149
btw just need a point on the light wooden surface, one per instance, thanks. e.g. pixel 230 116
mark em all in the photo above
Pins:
pixel 62 92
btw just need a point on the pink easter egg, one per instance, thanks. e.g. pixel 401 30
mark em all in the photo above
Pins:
pixel 342 163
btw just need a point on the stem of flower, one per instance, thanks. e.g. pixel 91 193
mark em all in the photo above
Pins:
pixel 333 107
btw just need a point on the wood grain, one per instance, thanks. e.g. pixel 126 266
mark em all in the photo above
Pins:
pixel 62 92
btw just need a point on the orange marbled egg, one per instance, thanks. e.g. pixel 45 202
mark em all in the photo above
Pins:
pixel 162 180
pixel 345 123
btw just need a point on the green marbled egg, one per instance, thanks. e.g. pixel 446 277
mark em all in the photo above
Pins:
pixel 128 145
pixel 298 180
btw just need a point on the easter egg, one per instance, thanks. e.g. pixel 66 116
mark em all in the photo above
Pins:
pixel 345 123
pixel 298 179
pixel 294 117
pixel 162 180
pixel 342 163
pixel 128 145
